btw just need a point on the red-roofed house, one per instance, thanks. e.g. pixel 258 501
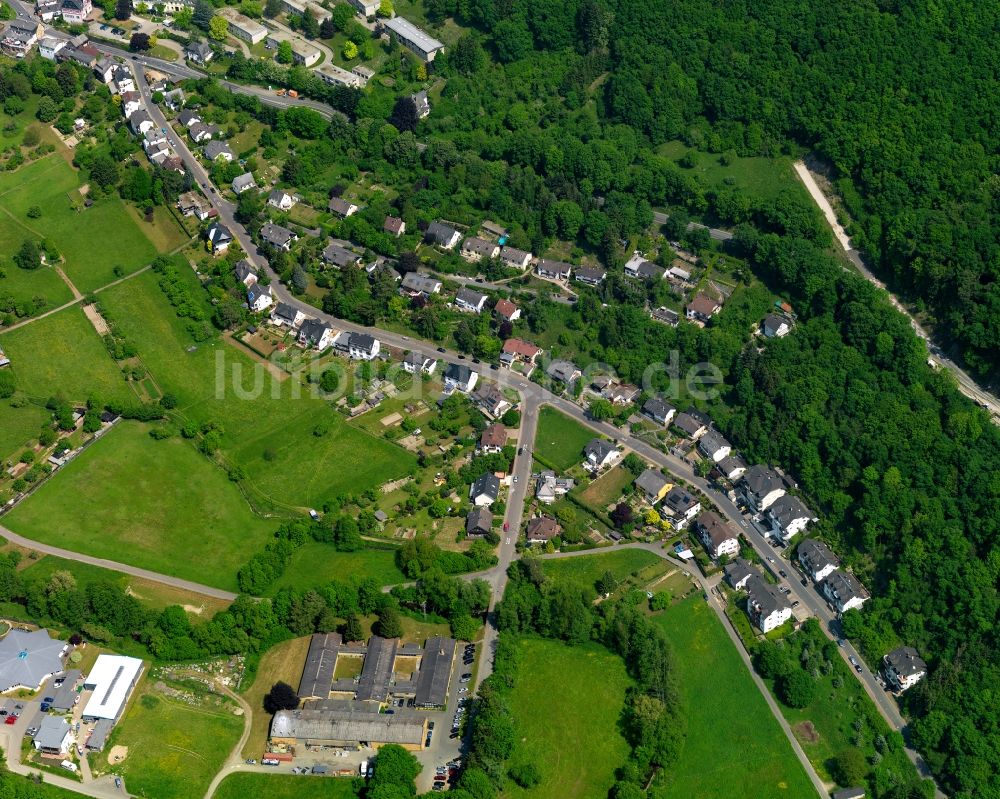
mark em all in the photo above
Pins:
pixel 507 311
pixel 493 438
pixel 514 349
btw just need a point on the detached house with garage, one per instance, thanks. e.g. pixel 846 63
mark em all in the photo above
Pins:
pixel 541 530
pixel 775 326
pixel 767 607
pixel 314 333
pixel 493 439
pixel 219 237
pixel 653 485
pixel 718 537
pixel 713 446
pixel 553 270
pixel 475 249
pixel 284 314
pixel 659 410
pixel 590 275
pixel 458 377
pixel 682 505
pixel 278 237
pixel 690 426
pixel 515 258
pixel 259 298
pixel 471 301
pixel 599 454
pixel 394 226
pixel 479 523
pixel 844 591
pixel 514 350
pixel 506 311
pixel 341 207
pixel 789 516
pixel 903 668
pixel 414 284
pixel 564 371
pixel 243 183
pixel 418 362
pixel 491 401
pixel 362 347
pixel 339 256
pixel 817 559
pixel 702 308
pixel 281 199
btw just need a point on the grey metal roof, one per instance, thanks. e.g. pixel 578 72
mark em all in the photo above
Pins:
pixel 377 671
pixel 66 695
pixel 99 737
pixel 435 670
pixel 407 30
pixel 317 673
pixel 51 732
pixel 27 658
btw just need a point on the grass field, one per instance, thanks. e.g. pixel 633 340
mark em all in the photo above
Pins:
pixel 606 489
pixel 301 468
pixel 586 569
pixel 281 663
pixel 175 748
pixel 734 745
pixel 761 177
pixel 160 505
pixel 567 702
pixel 315 564
pixel 25 285
pixel 79 234
pixel 62 354
pixel 240 786
pixel 560 440
pixel 19 426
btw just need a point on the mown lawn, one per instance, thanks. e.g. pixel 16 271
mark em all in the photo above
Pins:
pixel 160 505
pixel 81 235
pixel 174 748
pixel 587 569
pixel 315 564
pixel 568 702
pixel 560 440
pixel 294 447
pixel 281 663
pixel 606 489
pixel 63 355
pixel 240 786
pixel 734 745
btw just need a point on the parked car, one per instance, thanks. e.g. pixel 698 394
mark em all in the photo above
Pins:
pixel 782 573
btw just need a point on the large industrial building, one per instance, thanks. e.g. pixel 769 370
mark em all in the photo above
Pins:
pixel 342 723
pixel 28 659
pixel 111 679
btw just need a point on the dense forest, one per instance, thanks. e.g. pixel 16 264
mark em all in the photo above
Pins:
pixel 897 97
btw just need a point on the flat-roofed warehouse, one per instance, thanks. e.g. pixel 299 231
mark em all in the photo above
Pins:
pixel 435 671
pixel 347 726
pixel 317 674
pixel 111 679
pixel 413 38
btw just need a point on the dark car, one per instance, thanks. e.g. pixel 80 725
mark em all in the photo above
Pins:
pixel 476 360
pixel 782 572
pixel 440 349
pixel 467 675
pixel 461 357
pixel 804 582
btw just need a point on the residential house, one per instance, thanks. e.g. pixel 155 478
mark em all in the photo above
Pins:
pixel 188 118
pixel 75 12
pixel 49 47
pixel 713 446
pixel 459 377
pixel 691 427
pixel 478 523
pixel 493 439
pixel 682 505
pixel 411 37
pixel 541 530
pixel 468 300
pixel 515 258
pixel 20 36
pixel 789 516
pixel 246 272
pixel 363 347
pixel 366 8
pixel 259 298
pixel 243 183
pixel 122 79
pixel 200 132
pixel 514 349
pixel 333 75
pixel 132 102
pixel 738 571
pixel 817 559
pixel 199 52
pixel 152 138
pixel 442 235
pixel 215 150
pixel 621 393
pixel 394 226
pixel 553 270
pixel 418 362
pixel 53 735
pixel 507 311
pixel 775 326
pixel 84 54
pixel 140 122
pixel 844 591
pixel 341 207
pixel 242 27
pixel 761 486
pixel 285 314
pixel 421 104
pixel 190 203
pixel 219 237
pixel 766 605
pixel 600 453
pixel 173 99
pixel 47 10
pixel 903 668
pixel 475 249
pixel 340 257
pixel 485 490
pixel 591 275
pixel 415 284
pixel 563 371
pixel 653 485
pixel 314 333
pixel 639 267
pixel 664 315
pixel 548 487
pixel 677 274
pixel 732 467
pixel 279 237
pixel 491 401
pixel 702 308
pixel 718 537
pixel 659 410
